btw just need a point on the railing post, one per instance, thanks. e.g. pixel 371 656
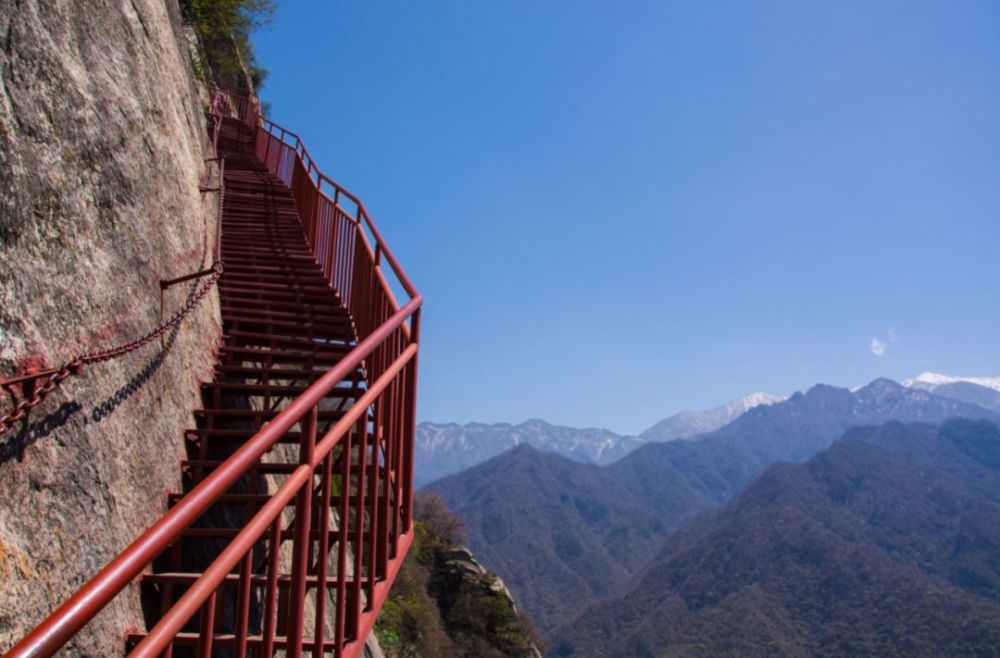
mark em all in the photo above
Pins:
pixel 317 207
pixel 206 629
pixel 409 438
pixel 271 591
pixel 342 539
pixel 334 258
pixel 322 556
pixel 267 148
pixel 358 541
pixel 314 213
pixel 303 542
pixel 243 604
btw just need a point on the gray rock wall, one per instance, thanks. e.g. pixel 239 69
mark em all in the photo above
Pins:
pixel 102 143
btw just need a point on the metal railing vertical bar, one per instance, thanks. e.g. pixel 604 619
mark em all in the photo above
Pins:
pixel 302 545
pixel 322 558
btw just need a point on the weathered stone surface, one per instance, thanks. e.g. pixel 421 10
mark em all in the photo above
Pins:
pixel 102 144
pixel 372 647
pixel 463 572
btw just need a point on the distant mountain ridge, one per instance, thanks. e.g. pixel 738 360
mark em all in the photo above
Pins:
pixel 689 423
pixel 443 449
pixel 984 391
pixel 846 555
pixel 562 533
pixel 932 380
pixel 446 448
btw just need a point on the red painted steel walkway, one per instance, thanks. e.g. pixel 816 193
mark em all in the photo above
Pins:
pixel 296 512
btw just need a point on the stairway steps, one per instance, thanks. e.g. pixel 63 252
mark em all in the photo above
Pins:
pixel 277 374
pixel 279 290
pixel 272 300
pixel 258 414
pixel 314 278
pixel 331 354
pixel 283 264
pixel 284 327
pixel 243 338
pixel 248 304
pixel 249 312
pixel 254 251
pixel 323 330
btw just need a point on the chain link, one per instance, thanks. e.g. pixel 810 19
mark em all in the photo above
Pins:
pixel 24 406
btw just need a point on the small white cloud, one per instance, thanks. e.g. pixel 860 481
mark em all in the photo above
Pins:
pixel 891 333
pixel 877 347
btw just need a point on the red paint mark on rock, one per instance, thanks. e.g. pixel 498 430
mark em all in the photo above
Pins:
pixel 31 364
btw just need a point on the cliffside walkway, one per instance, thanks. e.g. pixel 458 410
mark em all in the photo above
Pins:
pixel 297 501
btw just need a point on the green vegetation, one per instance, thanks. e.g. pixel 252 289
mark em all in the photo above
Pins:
pixel 224 28
pixel 442 603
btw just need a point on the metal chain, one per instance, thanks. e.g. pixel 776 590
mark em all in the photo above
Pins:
pixel 75 365
pixel 114 352
pixel 24 406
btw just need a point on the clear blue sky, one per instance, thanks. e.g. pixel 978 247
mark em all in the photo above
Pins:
pixel 617 210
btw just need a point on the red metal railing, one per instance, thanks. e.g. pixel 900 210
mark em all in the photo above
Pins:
pixel 336 234
pixel 378 487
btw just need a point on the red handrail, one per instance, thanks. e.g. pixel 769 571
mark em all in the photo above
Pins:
pixel 339 190
pixel 385 415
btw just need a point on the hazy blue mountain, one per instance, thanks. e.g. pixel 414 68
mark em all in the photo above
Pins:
pixel 686 424
pixel 562 533
pixel 886 544
pixel 446 448
pixel 443 449
pixel 984 391
pixel 972 393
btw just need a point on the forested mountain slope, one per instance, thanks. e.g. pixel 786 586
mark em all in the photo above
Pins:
pixel 887 544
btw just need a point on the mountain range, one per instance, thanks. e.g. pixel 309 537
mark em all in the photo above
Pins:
pixel 563 534
pixel 886 544
pixel 446 448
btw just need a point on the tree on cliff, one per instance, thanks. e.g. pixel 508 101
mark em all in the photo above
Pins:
pixel 221 23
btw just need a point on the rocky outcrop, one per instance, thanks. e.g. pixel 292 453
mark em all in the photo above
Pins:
pixel 462 570
pixel 445 603
pixel 460 577
pixel 102 148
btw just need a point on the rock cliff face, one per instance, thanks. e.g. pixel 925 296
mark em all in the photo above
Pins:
pixel 102 147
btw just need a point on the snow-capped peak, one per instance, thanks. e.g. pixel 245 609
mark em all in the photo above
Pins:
pixel 748 402
pixel 931 380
